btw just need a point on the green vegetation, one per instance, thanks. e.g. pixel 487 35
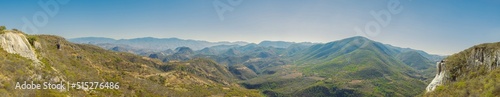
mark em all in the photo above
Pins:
pixel 370 70
pixel 32 39
pixel 485 85
pixel 2 28
pixel 350 67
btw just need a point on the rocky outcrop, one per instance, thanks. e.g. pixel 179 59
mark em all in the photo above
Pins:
pixel 17 43
pixel 484 56
pixel 473 62
pixel 439 78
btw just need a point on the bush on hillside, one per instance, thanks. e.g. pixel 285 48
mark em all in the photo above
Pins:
pixel 2 28
pixel 32 39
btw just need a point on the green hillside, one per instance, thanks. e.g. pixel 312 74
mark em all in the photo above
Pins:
pixel 351 67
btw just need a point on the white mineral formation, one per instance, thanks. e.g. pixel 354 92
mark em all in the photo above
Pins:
pixel 16 43
pixel 438 80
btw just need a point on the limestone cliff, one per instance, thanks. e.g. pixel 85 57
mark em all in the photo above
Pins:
pixel 17 43
pixel 469 67
pixel 438 79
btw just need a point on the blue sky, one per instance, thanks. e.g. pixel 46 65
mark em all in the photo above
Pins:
pixel 435 26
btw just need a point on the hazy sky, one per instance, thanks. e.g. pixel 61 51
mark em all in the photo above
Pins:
pixel 435 26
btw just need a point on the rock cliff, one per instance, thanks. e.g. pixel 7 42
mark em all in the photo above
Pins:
pixel 470 65
pixel 438 79
pixel 17 43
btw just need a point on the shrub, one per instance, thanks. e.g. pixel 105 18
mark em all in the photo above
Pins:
pixel 32 39
pixel 2 28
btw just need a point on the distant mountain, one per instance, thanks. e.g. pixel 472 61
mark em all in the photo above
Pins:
pixel 184 50
pixel 150 43
pixel 431 57
pixel 277 44
pixel 93 40
pixel 415 60
pixel 282 44
pixel 216 50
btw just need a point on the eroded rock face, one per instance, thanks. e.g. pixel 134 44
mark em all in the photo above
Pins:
pixel 438 80
pixel 481 58
pixel 16 43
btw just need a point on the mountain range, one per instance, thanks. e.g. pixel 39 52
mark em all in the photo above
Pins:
pixel 355 66
pixel 150 43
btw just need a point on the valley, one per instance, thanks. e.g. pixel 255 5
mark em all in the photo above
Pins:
pixel 355 66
